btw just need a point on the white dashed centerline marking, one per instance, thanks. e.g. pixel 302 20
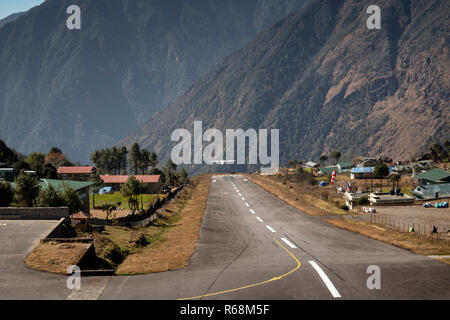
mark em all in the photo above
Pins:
pixel 247 204
pixel 242 199
pixel 290 244
pixel 259 219
pixel 326 280
pixel 252 211
pixel 270 228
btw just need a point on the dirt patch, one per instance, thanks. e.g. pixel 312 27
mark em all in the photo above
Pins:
pixel 417 215
pixel 100 214
pixel 420 244
pixel 304 197
pixel 56 257
pixel 166 244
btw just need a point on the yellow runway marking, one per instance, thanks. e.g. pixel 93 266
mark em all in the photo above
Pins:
pixel 255 284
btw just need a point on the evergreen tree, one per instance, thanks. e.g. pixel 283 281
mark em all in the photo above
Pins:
pixel 135 157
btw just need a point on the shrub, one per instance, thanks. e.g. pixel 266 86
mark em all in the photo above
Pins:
pixel 27 189
pixel 6 194
pixel 362 201
pixel 72 200
pixel 49 198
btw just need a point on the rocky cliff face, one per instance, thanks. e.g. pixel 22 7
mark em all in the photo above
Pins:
pixel 86 89
pixel 328 82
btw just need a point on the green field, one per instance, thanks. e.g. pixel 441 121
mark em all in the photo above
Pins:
pixel 101 199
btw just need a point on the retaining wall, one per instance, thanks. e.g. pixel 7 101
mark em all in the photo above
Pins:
pixel 34 213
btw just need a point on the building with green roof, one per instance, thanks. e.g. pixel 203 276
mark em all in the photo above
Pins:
pixel 433 176
pixel 432 191
pixel 327 170
pixel 81 187
pixel 344 165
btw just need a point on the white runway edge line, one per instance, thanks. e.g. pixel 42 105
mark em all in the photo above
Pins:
pixel 259 219
pixel 326 280
pixel 290 244
pixel 252 211
pixel 270 228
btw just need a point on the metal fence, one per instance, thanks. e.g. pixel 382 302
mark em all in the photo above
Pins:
pixel 442 231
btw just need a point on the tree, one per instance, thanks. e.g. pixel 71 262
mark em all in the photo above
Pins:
pixel 131 190
pixel 183 176
pixel 294 163
pixel 49 197
pixel 123 158
pixel 144 160
pixel 72 200
pixel 336 156
pixel 7 154
pixel 436 151
pixel 27 189
pixel 6 194
pixel 36 160
pixel 381 171
pixel 323 158
pixel 49 172
pixel 21 165
pixel 56 158
pixel 170 173
pixel 96 158
pixel 135 157
pixel 96 186
pixel 153 160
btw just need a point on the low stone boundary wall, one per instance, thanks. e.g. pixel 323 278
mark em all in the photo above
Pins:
pixel 34 213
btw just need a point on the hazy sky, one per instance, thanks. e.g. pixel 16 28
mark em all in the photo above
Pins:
pixel 12 6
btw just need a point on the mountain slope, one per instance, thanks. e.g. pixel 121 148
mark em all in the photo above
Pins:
pixel 87 88
pixel 327 82
pixel 11 18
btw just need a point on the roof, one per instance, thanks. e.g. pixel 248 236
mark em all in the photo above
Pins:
pixel 366 169
pixel 402 168
pixel 345 164
pixel 429 191
pixel 327 170
pixel 434 175
pixel 80 215
pixel 311 164
pixel 76 170
pixel 60 184
pixel 124 178
pixel 362 170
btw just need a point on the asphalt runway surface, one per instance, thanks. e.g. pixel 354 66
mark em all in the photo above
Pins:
pixel 254 246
